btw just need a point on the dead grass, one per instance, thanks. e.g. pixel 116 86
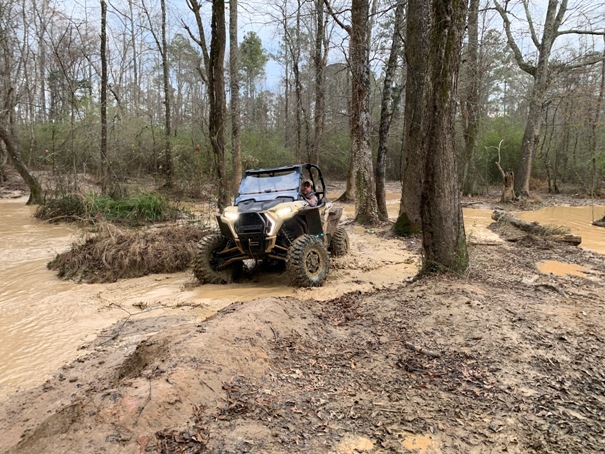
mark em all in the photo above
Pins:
pixel 120 254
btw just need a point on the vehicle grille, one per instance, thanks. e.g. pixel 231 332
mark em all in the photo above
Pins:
pixel 250 223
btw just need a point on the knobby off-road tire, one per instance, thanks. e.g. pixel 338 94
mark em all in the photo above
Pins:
pixel 207 260
pixel 307 263
pixel 339 244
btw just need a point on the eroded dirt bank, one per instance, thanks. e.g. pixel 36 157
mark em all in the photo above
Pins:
pixel 503 359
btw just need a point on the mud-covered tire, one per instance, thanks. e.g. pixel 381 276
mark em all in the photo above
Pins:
pixel 339 244
pixel 307 263
pixel 206 261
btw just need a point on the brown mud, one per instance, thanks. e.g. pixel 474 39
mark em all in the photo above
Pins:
pixel 504 358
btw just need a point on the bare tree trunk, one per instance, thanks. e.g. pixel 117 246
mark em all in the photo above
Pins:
pixel 593 129
pixel 104 161
pixel 540 72
pixel 320 59
pixel 366 209
pixel 416 50
pixel 349 194
pixel 508 180
pixel 443 236
pixel 295 53
pixel 386 113
pixel 236 147
pixel 40 10
pixel 216 123
pixel 470 103
pixel 162 46
pixel 3 161
pixel 168 170
pixel 10 143
pixel 135 59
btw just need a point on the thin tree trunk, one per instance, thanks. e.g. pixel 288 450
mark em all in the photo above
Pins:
pixel 470 103
pixel 386 114
pixel 168 170
pixel 236 150
pixel 366 209
pixel 216 124
pixel 104 160
pixel 594 126
pixel 320 60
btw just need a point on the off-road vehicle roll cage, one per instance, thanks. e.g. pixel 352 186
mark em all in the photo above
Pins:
pixel 272 221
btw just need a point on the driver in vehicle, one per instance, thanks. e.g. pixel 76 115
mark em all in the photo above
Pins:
pixel 308 194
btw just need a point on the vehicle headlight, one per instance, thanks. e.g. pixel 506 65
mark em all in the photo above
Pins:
pixel 281 212
pixel 231 215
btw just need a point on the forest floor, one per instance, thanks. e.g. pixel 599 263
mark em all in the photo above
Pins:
pixel 504 358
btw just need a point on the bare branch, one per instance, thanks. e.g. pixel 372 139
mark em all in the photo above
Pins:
pixel 530 21
pixel 581 32
pixel 342 25
pixel 529 69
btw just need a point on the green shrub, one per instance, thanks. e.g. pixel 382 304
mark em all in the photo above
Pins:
pixel 134 210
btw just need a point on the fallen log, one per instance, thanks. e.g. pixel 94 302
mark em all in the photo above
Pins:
pixel 535 228
pixel 599 222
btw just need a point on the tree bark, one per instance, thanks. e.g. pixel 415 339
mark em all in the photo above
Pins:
pixel 168 171
pixel 12 150
pixel 540 73
pixel 366 209
pixel 443 236
pixel 216 76
pixel 386 113
pixel 470 104
pixel 236 147
pixel 104 161
pixel 416 51
pixel 320 56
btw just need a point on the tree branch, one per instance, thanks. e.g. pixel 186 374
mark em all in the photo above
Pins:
pixel 581 32
pixel 530 21
pixel 529 69
pixel 342 25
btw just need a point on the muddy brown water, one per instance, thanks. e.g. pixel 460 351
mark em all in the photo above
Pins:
pixel 44 321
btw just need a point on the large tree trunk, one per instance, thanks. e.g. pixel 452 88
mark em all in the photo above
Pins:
pixel 216 123
pixel 366 209
pixel 386 113
pixel 12 150
pixel 443 236
pixel 416 51
pixel 236 147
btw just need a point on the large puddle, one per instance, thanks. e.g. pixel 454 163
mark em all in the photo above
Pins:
pixel 43 320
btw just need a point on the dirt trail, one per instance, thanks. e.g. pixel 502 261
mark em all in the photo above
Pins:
pixel 505 358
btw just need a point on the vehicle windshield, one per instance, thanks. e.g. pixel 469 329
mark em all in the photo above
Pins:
pixel 262 183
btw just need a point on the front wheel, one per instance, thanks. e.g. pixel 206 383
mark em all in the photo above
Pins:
pixel 339 244
pixel 307 263
pixel 207 262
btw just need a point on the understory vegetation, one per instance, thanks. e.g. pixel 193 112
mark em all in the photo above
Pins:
pixel 115 254
pixel 134 210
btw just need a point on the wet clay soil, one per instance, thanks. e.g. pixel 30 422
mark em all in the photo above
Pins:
pixel 505 358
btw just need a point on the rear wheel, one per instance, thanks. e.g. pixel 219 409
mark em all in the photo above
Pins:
pixel 339 244
pixel 307 263
pixel 208 261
